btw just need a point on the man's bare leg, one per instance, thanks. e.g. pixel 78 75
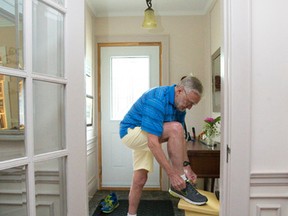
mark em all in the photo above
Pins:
pixel 138 182
pixel 174 134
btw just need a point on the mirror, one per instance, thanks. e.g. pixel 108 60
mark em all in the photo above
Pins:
pixel 216 81
pixel 11 117
pixel 11 103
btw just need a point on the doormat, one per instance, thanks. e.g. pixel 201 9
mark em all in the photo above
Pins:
pixel 146 208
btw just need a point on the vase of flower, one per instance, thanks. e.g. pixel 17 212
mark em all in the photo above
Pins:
pixel 210 136
pixel 211 130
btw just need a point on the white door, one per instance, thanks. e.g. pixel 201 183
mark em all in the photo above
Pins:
pixel 126 73
pixel 42 149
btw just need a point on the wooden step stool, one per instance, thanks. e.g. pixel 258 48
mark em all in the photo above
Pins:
pixel 211 207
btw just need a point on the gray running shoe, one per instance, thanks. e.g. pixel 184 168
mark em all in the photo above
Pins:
pixel 189 194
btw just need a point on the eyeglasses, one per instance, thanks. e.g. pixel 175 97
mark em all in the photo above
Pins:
pixel 190 102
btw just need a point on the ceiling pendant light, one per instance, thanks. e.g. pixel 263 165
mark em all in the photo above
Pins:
pixel 149 18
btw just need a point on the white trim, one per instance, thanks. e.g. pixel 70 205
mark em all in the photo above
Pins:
pixel 92 186
pixel 29 134
pixel 54 5
pixel 51 155
pixel 13 72
pixel 268 186
pixel 268 195
pixel 45 78
pixel 91 146
pixel 13 163
pixel 263 207
pixel 236 111
pixel 268 179
pixel 50 206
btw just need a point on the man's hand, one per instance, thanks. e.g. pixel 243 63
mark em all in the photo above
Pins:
pixel 190 174
pixel 176 181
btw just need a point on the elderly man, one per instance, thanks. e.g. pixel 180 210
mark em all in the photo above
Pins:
pixel 157 117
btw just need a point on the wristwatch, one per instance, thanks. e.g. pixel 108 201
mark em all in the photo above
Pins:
pixel 186 163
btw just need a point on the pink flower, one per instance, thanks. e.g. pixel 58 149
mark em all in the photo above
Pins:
pixel 209 120
pixel 211 126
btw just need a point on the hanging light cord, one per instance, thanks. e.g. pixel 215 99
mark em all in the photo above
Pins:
pixel 149 4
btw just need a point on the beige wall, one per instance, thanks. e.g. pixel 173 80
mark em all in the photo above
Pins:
pixel 8 41
pixel 215 20
pixel 191 41
pixel 188 50
pixel 8 37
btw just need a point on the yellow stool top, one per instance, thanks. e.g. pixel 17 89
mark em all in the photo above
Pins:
pixel 211 207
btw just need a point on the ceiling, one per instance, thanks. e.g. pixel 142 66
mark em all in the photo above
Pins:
pixel 114 8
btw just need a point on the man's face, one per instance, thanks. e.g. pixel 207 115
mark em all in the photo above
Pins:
pixel 185 100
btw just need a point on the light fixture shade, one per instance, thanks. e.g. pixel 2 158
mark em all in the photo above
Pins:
pixel 149 19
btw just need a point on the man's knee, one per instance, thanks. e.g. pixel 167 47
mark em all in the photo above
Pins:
pixel 140 177
pixel 172 130
pixel 176 128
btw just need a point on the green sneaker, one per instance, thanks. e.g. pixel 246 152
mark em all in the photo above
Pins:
pixel 189 194
pixel 110 203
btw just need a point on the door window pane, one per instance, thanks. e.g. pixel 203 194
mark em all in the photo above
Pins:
pixel 48 28
pixel 129 80
pixel 13 191
pixel 48 117
pixel 50 187
pixel 11 34
pixel 12 143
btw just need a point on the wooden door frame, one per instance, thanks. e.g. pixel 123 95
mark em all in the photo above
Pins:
pixel 162 42
pixel 117 44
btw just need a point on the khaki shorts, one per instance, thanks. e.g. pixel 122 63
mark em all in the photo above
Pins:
pixel 136 139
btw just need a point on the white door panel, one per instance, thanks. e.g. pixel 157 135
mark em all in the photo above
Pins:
pixel 117 162
pixel 42 133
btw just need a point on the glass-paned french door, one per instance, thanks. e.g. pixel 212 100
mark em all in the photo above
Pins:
pixel 33 105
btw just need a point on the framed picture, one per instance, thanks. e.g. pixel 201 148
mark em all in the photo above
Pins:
pixel 89 110
pixel 217 83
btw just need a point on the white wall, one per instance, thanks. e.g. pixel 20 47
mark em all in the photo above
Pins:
pixel 269 107
pixel 256 120
pixel 269 86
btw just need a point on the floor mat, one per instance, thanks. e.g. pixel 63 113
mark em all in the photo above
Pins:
pixel 146 208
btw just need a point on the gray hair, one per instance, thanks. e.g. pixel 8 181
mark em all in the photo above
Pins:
pixel 191 84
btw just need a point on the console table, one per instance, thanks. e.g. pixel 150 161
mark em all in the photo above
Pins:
pixel 205 161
